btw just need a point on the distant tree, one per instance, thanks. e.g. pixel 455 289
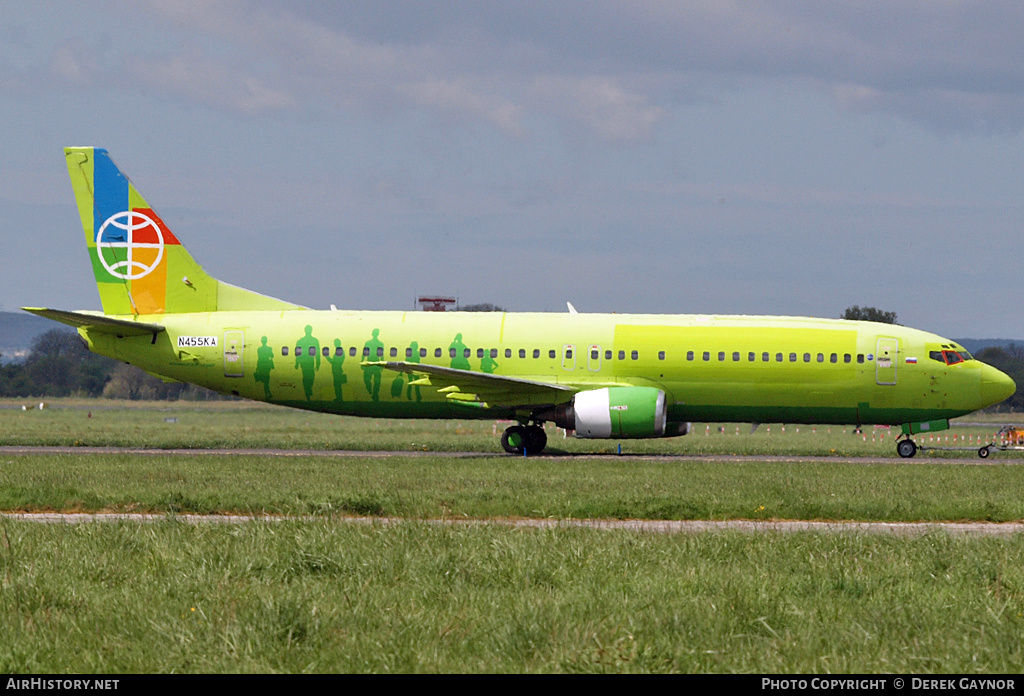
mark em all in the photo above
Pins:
pixel 480 307
pixel 856 313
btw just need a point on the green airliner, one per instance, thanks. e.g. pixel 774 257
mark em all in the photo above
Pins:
pixel 599 375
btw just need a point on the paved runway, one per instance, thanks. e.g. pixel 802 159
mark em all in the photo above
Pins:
pixel 654 526
pixel 969 456
pixel 903 529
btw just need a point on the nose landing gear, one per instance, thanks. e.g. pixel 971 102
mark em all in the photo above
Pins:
pixel 906 448
pixel 528 439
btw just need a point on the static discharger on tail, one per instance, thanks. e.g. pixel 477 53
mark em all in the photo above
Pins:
pixel 600 375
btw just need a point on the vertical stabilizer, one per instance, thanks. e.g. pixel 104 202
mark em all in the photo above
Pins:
pixel 140 266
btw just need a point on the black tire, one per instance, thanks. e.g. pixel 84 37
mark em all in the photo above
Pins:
pixel 513 439
pixel 984 452
pixel 906 448
pixel 536 439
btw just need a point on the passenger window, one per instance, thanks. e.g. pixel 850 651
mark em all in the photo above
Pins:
pixel 551 354
pixel 408 352
pixel 792 357
pixel 778 357
pixel 707 356
pixel 423 352
pixel 536 352
pixel 721 356
pixel 821 357
pixel 661 355
pixel 735 356
pixel 847 357
pixel 479 352
pixel 284 350
pixel 860 358
pixel 751 357
pixel 833 358
pixel 466 353
pixel 568 353
pixel 394 352
pixel 807 357
pixel 366 351
pixel 622 355
pixel 634 355
pixel 437 352
pixel 594 354
pixel 522 352
pixel 339 352
pixel 689 355
pixel 380 352
pixel 607 355
pixel 352 352
pixel 451 352
pixel 326 351
pixel 508 352
pixel 766 357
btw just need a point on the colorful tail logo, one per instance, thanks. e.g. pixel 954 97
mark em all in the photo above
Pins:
pixel 140 266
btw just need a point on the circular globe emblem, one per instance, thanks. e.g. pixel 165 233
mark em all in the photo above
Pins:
pixel 135 243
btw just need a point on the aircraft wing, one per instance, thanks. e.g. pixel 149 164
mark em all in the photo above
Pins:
pixel 480 389
pixel 98 322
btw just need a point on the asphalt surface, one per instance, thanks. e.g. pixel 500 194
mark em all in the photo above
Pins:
pixel 654 526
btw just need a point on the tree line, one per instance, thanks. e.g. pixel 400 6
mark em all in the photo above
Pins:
pixel 59 364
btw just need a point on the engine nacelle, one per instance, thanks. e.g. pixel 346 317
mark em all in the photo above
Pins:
pixel 620 412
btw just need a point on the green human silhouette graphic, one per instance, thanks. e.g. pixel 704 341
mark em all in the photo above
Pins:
pixel 307 357
pixel 373 350
pixel 414 357
pixel 457 351
pixel 337 362
pixel 487 363
pixel 264 364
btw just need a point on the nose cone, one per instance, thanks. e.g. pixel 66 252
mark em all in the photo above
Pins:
pixel 995 386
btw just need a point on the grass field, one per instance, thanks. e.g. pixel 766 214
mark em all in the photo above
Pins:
pixel 325 595
pixel 319 597
pixel 229 424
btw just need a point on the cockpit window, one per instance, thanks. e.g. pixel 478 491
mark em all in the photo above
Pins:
pixel 950 357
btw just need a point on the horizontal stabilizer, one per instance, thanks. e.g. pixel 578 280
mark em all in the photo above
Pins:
pixel 97 322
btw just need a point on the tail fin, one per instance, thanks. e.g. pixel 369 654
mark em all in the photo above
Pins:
pixel 140 266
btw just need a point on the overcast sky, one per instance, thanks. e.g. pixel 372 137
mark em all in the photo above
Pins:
pixel 671 157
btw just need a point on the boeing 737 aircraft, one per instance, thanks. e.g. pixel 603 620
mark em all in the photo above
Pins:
pixel 600 375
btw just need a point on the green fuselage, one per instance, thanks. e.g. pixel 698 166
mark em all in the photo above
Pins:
pixel 712 368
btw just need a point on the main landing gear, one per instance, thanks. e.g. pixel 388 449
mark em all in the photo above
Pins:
pixel 528 439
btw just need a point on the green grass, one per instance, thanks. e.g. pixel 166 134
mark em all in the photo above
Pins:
pixel 322 597
pixel 253 425
pixel 333 596
pixel 436 486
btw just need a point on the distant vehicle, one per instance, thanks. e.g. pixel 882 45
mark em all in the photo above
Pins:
pixel 599 375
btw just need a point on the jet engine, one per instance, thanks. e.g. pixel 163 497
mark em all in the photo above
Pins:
pixel 617 413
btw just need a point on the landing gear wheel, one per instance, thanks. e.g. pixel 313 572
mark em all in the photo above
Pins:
pixel 518 438
pixel 536 439
pixel 513 439
pixel 906 448
pixel 984 452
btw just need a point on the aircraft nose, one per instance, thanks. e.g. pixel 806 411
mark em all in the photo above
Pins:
pixel 995 386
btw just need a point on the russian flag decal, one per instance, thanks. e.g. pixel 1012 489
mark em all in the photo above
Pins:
pixel 912 361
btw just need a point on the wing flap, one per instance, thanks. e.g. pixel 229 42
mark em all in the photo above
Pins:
pixel 479 388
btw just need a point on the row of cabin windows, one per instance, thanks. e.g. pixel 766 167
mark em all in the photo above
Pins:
pixel 466 352
pixel 779 357
pixel 594 354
